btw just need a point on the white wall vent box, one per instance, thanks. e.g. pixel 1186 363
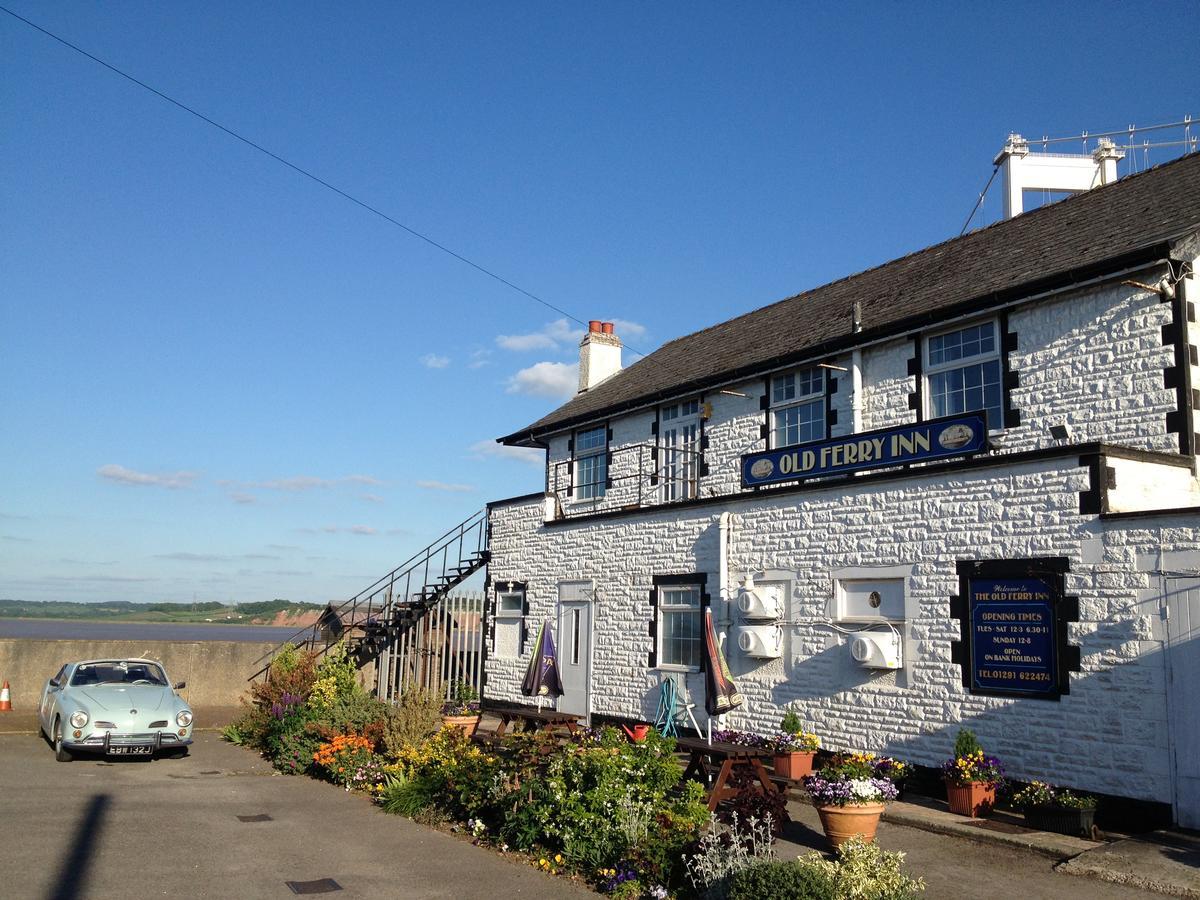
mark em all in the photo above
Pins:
pixel 760 641
pixel 870 599
pixel 761 601
pixel 877 650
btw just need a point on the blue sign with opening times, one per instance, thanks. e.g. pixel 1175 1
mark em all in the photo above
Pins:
pixel 1012 635
pixel 962 435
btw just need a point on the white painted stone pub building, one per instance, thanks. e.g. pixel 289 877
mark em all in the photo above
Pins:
pixel 1073 329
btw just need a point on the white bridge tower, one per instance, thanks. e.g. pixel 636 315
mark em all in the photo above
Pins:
pixel 1074 172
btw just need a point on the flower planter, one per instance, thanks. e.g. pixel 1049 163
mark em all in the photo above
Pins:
pixel 843 822
pixel 1075 822
pixel 973 799
pixel 794 765
pixel 468 724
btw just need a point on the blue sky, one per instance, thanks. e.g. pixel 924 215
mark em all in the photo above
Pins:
pixel 220 381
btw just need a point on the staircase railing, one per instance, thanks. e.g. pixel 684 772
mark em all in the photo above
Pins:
pixel 409 590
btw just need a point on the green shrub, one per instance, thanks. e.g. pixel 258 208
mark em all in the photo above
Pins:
pixel 233 733
pixel 415 717
pixel 966 744
pixel 780 881
pixel 791 723
pixel 358 712
pixel 409 796
pixel 336 678
pixel 864 871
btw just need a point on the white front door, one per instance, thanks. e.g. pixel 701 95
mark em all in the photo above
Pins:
pixel 575 646
pixel 1183 674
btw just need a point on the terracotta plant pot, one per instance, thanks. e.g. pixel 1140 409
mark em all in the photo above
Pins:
pixel 794 765
pixel 467 723
pixel 843 822
pixel 973 799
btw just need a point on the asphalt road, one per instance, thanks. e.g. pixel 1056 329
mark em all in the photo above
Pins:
pixel 121 829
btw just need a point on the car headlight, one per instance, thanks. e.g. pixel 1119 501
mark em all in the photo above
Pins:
pixel 183 718
pixel 78 719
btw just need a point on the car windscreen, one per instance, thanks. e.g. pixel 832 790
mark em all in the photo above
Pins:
pixel 117 672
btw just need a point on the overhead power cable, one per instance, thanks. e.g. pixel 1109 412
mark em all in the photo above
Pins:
pixel 300 170
pixel 979 202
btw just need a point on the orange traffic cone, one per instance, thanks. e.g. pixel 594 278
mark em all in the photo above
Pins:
pixel 5 700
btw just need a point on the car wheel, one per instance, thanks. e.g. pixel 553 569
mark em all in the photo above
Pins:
pixel 61 753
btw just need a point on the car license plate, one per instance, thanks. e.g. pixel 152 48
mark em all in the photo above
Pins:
pixel 134 750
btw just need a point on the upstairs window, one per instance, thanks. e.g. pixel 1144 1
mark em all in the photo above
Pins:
pixel 797 407
pixel 679 437
pixel 591 463
pixel 962 373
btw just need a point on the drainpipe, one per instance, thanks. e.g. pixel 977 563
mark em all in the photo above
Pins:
pixel 856 374
pixel 722 625
pixel 723 573
pixel 856 406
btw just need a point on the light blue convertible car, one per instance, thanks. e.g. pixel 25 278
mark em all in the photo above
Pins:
pixel 117 707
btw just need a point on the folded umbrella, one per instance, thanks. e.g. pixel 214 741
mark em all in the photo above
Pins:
pixel 720 693
pixel 541 677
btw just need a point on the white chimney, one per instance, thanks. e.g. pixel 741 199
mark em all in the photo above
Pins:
pixel 599 355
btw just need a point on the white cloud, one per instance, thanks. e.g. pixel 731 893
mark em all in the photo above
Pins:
pixel 244 499
pixel 529 455
pixel 370 498
pixel 296 484
pixel 361 529
pixel 115 579
pixel 563 333
pixel 443 486
pixel 433 361
pixel 551 336
pixel 479 359
pixel 545 379
pixel 122 475
pixel 184 556
pixel 626 329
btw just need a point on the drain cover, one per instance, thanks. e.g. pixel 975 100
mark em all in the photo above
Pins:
pixel 320 886
pixel 260 817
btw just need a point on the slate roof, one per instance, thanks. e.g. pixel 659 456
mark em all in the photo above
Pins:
pixel 1099 231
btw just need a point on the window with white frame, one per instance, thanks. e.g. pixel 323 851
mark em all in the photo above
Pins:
pixel 679 626
pixel 963 373
pixel 591 458
pixel 797 407
pixel 679 439
pixel 510 613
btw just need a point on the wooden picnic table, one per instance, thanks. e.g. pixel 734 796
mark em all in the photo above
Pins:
pixel 531 716
pixel 730 757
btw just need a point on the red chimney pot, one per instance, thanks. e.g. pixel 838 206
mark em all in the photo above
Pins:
pixel 608 327
pixel 594 326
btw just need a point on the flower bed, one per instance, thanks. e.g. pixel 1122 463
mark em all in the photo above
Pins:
pixel 598 807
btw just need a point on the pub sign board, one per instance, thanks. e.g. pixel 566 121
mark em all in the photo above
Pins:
pixel 962 435
pixel 1014 628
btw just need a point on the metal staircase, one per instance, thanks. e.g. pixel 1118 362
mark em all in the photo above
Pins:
pixel 370 620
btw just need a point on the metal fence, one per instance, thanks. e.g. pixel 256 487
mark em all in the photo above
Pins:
pixel 440 648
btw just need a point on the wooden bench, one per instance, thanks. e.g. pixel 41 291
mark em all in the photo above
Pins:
pixel 703 755
pixel 531 717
